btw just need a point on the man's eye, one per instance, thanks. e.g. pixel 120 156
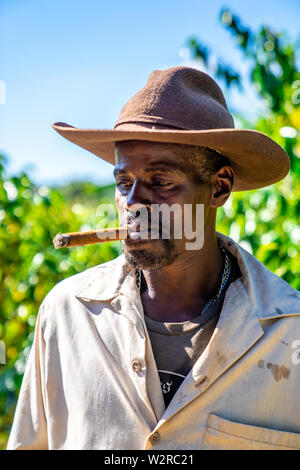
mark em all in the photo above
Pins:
pixel 162 184
pixel 158 183
pixel 124 184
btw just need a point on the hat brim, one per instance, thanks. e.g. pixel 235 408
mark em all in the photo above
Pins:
pixel 258 161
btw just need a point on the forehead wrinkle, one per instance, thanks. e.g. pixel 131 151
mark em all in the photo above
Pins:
pixel 173 157
pixel 165 166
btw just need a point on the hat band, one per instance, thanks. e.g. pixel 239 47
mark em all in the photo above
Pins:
pixel 148 123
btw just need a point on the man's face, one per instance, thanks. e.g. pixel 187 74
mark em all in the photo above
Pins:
pixel 153 173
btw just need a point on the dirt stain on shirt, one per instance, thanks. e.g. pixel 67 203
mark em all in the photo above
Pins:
pixel 278 372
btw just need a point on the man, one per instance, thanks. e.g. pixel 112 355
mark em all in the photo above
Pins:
pixel 167 347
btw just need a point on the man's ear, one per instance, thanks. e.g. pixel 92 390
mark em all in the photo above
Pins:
pixel 221 183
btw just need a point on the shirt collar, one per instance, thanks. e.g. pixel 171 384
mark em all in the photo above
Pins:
pixel 268 294
pixel 107 280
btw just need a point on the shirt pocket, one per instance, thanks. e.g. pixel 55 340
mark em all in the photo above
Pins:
pixel 223 434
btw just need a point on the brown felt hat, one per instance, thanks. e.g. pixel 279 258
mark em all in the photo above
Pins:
pixel 183 105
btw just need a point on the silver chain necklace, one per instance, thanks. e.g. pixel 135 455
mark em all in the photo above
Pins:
pixel 225 277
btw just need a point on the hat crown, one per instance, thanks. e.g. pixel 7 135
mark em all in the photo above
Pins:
pixel 179 98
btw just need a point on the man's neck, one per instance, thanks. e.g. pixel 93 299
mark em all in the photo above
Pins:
pixel 179 292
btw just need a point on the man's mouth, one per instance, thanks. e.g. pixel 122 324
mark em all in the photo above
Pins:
pixel 144 234
pixel 151 233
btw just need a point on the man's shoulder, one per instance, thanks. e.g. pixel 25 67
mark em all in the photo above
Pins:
pixel 271 294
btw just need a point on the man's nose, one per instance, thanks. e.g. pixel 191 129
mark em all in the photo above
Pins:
pixel 138 194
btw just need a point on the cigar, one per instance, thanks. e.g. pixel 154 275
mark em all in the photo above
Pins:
pixel 62 240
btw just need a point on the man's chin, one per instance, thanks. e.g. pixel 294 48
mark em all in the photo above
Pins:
pixel 143 256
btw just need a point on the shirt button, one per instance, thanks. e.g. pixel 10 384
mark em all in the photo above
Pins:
pixel 201 381
pixel 155 438
pixel 136 366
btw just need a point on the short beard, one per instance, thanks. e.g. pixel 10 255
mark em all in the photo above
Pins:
pixel 152 260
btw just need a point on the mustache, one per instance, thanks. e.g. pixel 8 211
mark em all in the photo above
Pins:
pixel 135 225
pixel 144 221
pixel 133 220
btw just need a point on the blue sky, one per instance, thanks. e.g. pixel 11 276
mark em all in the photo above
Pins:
pixel 79 62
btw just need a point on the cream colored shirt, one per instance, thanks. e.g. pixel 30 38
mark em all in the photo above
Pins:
pixel 91 380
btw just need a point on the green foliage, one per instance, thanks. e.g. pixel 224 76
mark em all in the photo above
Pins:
pixel 86 192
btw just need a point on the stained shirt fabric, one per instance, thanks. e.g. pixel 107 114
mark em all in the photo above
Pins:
pixel 91 380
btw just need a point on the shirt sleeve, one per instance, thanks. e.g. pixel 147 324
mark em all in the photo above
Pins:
pixel 29 428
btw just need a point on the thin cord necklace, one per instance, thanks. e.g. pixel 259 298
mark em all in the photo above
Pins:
pixel 225 277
